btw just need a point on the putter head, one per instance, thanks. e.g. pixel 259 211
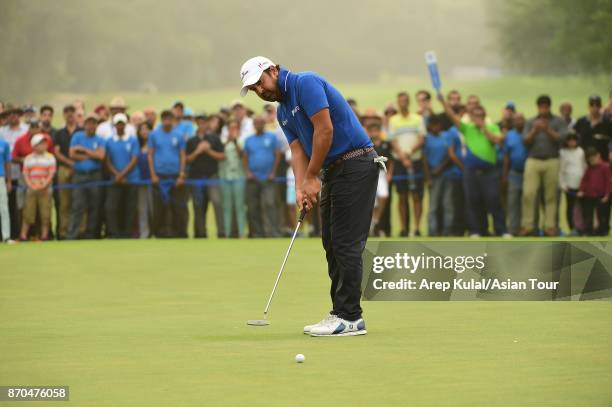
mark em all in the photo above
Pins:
pixel 258 322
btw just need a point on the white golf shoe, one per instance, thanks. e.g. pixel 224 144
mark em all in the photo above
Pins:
pixel 329 317
pixel 339 327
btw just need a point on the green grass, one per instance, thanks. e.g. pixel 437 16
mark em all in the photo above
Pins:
pixel 162 323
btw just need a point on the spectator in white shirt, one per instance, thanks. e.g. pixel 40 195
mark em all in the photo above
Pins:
pixel 106 129
pixel 10 132
pixel 572 167
pixel 239 113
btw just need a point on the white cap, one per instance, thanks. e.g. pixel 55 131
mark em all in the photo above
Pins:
pixel 37 139
pixel 251 72
pixel 120 117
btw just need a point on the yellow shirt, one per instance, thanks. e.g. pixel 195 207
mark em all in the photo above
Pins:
pixel 407 130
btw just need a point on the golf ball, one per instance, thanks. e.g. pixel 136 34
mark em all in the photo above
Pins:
pixel 299 358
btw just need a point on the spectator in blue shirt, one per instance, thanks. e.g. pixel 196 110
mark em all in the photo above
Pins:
pixel 437 170
pixel 182 118
pixel 261 158
pixel 87 151
pixel 166 155
pixel 514 165
pixel 455 176
pixel 145 192
pixel 122 153
pixel 5 189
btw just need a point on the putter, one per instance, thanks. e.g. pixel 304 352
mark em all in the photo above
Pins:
pixel 265 321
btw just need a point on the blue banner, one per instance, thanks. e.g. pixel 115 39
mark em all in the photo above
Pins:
pixel 432 66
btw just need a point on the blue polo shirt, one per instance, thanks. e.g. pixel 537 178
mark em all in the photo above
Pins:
pixel 261 153
pixel 515 150
pixel 303 95
pixel 144 172
pixel 435 149
pixel 167 149
pixel 453 140
pixel 186 128
pixel 5 156
pixel 92 142
pixel 120 151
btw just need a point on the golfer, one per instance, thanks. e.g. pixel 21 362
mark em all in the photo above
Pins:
pixel 328 146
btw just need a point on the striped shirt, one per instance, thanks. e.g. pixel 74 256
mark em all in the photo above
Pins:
pixel 407 130
pixel 38 168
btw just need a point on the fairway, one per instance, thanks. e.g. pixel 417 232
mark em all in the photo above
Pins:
pixel 163 323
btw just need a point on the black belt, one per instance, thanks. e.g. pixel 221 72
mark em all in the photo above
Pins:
pixel 349 155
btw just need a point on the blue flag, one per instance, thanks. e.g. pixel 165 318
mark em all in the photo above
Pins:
pixel 432 66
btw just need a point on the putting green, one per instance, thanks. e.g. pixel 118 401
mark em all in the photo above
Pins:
pixel 163 323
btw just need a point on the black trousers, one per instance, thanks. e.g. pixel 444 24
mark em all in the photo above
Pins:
pixel 347 201
pixel 15 213
pixel 201 196
pixel 120 205
pixel 86 201
pixel 170 213
pixel 590 207
pixel 262 210
pixel 570 199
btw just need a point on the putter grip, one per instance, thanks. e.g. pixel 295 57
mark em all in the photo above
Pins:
pixel 303 213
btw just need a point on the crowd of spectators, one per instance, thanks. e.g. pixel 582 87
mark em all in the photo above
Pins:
pixel 113 174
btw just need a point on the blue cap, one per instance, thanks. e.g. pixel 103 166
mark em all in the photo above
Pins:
pixel 188 112
pixel 510 105
pixel 29 109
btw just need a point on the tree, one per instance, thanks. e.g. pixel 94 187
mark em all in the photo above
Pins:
pixel 555 36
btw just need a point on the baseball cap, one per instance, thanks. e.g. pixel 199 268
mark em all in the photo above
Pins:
pixel 37 139
pixel 188 112
pixel 29 109
pixel 251 72
pixel 119 117
pixel 100 108
pixel 510 105
pixel 117 103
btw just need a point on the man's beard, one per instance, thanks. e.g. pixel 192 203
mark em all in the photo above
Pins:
pixel 271 96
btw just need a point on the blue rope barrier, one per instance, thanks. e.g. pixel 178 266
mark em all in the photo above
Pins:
pixel 191 182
